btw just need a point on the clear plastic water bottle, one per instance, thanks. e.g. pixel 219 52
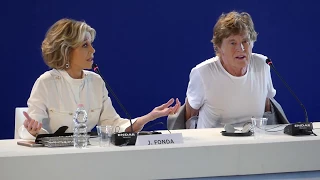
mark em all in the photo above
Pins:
pixel 80 136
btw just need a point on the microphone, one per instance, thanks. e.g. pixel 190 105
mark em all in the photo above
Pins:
pixel 122 138
pixel 296 128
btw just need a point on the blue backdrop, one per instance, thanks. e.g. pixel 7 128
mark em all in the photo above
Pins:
pixel 146 49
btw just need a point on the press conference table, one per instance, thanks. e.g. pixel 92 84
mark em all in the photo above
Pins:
pixel 204 153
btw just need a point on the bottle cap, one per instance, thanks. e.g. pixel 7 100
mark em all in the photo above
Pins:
pixel 80 105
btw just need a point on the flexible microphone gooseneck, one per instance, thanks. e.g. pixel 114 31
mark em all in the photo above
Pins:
pixel 122 137
pixel 296 128
pixel 269 62
pixel 96 70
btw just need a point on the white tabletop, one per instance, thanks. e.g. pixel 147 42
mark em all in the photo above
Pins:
pixel 204 153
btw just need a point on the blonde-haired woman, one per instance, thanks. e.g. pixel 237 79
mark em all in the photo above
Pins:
pixel 67 49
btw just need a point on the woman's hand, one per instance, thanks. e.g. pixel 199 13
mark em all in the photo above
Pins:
pixel 165 109
pixel 31 125
pixel 157 112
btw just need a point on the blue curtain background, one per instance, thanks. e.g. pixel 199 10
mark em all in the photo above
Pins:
pixel 146 49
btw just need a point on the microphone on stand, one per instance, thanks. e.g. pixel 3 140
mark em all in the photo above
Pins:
pixel 122 138
pixel 296 128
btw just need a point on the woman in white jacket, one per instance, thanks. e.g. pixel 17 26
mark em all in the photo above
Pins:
pixel 67 49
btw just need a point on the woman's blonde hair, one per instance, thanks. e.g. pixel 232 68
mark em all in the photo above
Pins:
pixel 61 38
pixel 233 23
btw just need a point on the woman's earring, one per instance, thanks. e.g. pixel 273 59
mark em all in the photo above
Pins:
pixel 67 66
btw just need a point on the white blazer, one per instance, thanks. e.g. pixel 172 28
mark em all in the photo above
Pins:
pixel 55 96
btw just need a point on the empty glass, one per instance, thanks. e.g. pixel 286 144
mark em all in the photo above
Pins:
pixel 104 134
pixel 259 126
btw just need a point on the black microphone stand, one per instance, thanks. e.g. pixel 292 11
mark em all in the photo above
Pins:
pixel 119 138
pixel 296 128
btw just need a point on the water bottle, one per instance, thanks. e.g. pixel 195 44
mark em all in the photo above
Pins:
pixel 80 136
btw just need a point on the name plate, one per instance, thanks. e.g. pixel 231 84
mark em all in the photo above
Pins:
pixel 158 139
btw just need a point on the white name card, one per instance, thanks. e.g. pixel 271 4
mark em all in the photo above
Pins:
pixel 158 139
